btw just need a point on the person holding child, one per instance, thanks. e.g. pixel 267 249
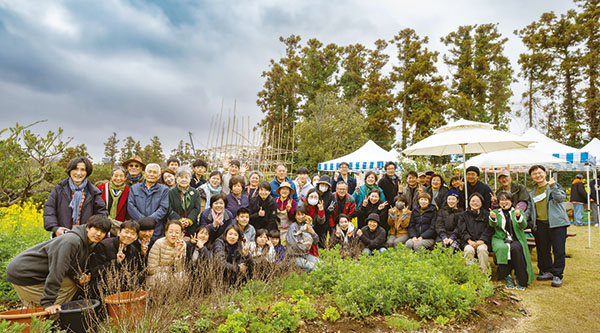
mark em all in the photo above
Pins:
pixel 509 243
pixel 301 238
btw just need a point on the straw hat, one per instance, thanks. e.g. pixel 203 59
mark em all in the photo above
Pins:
pixel 285 184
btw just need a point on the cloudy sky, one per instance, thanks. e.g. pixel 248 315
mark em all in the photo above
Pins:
pixel 163 67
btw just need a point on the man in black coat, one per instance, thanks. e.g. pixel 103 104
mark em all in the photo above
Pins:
pixel 578 199
pixel 473 185
pixel 390 183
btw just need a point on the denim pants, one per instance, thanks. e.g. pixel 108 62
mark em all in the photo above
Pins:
pixel 577 213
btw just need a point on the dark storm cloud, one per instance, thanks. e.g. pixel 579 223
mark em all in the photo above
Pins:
pixel 145 68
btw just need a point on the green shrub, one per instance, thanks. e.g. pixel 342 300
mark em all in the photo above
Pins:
pixel 202 324
pixel 180 326
pixel 433 283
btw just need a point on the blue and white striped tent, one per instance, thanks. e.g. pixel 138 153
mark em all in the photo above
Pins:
pixel 577 161
pixel 368 157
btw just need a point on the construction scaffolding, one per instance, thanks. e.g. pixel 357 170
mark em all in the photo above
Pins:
pixel 234 138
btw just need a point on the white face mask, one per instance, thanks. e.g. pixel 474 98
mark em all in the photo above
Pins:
pixel 313 201
pixel 323 188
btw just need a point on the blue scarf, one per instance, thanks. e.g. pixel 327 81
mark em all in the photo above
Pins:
pixel 76 200
pixel 134 179
pixel 209 190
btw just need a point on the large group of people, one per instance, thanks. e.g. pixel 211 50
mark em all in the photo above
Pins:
pixel 165 222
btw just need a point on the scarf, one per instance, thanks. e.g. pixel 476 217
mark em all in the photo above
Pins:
pixel 185 197
pixel 218 217
pixel 75 203
pixel 134 179
pixel 369 188
pixel 282 205
pixel 209 190
pixel 115 194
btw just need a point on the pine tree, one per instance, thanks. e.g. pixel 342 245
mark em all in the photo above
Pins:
pixel 319 64
pixel 110 149
pixel 130 148
pixel 353 78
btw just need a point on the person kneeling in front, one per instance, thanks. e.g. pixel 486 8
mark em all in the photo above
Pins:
pixel 45 274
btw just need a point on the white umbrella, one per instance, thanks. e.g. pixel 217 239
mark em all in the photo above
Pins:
pixel 466 137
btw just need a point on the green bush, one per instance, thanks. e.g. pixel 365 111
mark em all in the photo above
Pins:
pixel 402 323
pixel 436 283
pixel 331 314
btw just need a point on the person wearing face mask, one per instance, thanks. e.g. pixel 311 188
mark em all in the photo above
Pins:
pixel 315 209
pixel 421 228
pixel 446 225
pixel 509 243
pixel 324 188
pixel 398 220
pixel 475 231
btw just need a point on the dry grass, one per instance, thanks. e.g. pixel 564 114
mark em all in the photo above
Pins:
pixel 575 306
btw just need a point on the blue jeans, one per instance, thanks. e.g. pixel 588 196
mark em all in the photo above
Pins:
pixel 369 252
pixel 577 213
pixel 307 262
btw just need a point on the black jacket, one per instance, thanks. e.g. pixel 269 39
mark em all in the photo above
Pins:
pixel 446 225
pixel 351 183
pixel 49 262
pixel 482 189
pixel 269 221
pixel 422 225
pixel 578 192
pixel 57 212
pixel 364 212
pixel 230 257
pixel 372 240
pixel 474 226
pixel 104 258
pixel 389 187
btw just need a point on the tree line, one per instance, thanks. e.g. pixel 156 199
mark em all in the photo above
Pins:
pixel 305 90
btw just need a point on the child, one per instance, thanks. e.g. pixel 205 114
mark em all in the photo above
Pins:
pixel 147 225
pixel 509 243
pixel 372 236
pixel 167 256
pixel 242 219
pixel 263 247
pixel 300 238
pixel 275 238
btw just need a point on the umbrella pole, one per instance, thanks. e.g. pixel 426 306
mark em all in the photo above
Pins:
pixel 495 185
pixel 465 176
pixel 587 171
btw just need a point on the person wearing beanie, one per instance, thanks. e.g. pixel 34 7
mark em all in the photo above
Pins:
pixel 473 185
pixel 446 225
pixel 421 228
pixel 372 237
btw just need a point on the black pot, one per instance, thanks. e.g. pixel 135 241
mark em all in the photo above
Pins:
pixel 77 316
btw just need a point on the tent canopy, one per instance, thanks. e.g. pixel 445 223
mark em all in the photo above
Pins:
pixel 368 157
pixel 514 159
pixel 593 147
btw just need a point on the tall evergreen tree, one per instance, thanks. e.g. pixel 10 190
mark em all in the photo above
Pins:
pixel 129 149
pixel 319 65
pixel 378 98
pixel 420 89
pixel 110 149
pixel 353 65
pixel 481 74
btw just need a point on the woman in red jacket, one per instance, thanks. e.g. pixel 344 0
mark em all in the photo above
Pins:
pixel 115 193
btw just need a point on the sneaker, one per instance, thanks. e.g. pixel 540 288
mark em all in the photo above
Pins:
pixel 509 282
pixel 556 281
pixel 518 287
pixel 545 276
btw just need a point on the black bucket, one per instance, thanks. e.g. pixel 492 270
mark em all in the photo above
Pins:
pixel 76 316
